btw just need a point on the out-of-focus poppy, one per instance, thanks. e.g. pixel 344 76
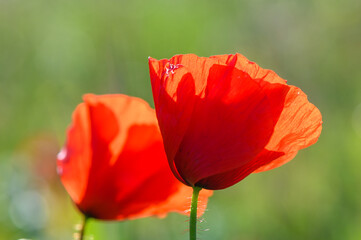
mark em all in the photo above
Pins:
pixel 223 118
pixel 113 164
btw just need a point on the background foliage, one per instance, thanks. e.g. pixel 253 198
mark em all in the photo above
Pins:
pixel 52 52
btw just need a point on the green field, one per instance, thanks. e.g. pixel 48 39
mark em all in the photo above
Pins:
pixel 53 52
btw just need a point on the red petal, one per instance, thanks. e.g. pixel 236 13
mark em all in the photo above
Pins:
pixel 229 178
pixel 300 123
pixel 115 166
pixel 230 126
pixel 74 160
pixel 204 115
pixel 174 118
pixel 298 127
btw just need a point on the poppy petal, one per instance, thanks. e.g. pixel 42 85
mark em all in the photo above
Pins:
pixel 226 115
pixel 233 97
pixel 229 178
pixel 74 160
pixel 299 126
pixel 177 105
pixel 114 165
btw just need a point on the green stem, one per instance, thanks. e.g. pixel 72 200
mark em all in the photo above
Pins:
pixel 193 216
pixel 82 230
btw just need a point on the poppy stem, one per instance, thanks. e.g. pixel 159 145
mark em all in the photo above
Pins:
pixel 82 230
pixel 193 216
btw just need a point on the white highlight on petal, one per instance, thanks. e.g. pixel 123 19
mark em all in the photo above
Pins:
pixel 171 68
pixel 62 154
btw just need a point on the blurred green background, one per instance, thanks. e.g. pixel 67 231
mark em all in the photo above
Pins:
pixel 52 52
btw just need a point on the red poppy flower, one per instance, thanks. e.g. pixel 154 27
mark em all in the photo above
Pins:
pixel 223 118
pixel 113 164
